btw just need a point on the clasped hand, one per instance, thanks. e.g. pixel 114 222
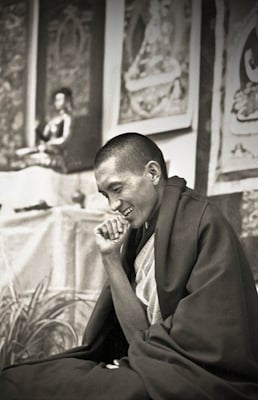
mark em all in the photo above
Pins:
pixel 111 234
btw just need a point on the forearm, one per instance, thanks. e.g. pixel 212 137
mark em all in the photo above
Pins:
pixel 56 141
pixel 129 310
pixel 61 140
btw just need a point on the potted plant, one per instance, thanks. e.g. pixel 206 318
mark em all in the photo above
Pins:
pixel 33 327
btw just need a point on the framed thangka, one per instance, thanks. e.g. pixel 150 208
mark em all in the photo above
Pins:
pixel 70 46
pixel 68 50
pixel 151 65
pixel 233 163
pixel 223 171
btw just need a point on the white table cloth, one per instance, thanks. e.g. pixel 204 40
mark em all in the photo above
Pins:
pixel 59 243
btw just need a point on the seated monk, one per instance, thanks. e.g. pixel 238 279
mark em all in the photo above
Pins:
pixel 178 315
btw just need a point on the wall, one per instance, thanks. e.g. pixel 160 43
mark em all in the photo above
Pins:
pixel 180 150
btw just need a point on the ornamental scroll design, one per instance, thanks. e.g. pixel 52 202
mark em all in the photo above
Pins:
pixel 250 214
pixel 13 68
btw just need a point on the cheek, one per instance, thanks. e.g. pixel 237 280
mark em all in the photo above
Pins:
pixel 147 201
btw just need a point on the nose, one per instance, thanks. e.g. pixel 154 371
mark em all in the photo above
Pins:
pixel 114 204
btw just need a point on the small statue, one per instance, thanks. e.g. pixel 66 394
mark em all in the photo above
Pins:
pixel 58 129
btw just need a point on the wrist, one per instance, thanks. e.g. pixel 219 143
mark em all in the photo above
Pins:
pixel 111 262
pixel 111 257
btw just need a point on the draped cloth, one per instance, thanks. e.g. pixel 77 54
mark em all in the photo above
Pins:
pixel 146 288
pixel 204 348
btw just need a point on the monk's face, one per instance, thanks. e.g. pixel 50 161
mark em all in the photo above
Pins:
pixel 134 195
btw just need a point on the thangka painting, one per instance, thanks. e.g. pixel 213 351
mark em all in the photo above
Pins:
pixel 69 40
pixel 13 79
pixel 70 53
pixel 151 70
pixel 225 175
pixel 234 127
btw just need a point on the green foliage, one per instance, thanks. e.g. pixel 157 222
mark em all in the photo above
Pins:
pixel 34 327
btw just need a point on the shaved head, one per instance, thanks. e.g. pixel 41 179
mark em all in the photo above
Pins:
pixel 132 152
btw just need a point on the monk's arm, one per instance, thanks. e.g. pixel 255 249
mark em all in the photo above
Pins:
pixel 129 310
pixel 110 236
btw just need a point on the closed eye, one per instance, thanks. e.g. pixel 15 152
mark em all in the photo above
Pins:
pixel 117 189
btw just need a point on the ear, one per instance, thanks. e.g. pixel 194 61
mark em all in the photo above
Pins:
pixel 153 171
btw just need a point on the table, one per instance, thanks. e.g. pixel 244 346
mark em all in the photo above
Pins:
pixel 57 243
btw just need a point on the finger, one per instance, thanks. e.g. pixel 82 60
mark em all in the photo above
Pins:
pixel 115 228
pixel 120 224
pixel 107 229
pixel 102 230
pixel 112 229
pixel 112 366
pixel 123 223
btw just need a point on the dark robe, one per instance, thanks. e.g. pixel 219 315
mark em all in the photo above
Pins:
pixel 205 348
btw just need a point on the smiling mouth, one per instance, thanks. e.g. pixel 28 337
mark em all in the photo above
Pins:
pixel 127 212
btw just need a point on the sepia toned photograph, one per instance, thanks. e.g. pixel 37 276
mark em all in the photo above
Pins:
pixel 128 199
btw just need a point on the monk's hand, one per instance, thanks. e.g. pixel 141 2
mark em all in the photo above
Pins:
pixel 111 234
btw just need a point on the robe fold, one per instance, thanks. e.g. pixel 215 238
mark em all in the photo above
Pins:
pixel 206 346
